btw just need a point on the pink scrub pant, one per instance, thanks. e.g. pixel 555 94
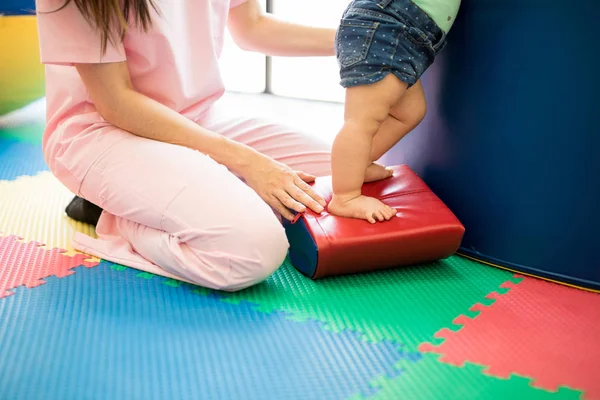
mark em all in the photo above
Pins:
pixel 175 212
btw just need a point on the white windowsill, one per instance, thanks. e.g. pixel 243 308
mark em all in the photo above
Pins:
pixel 317 118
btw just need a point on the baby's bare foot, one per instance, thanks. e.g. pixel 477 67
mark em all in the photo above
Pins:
pixel 376 172
pixel 361 207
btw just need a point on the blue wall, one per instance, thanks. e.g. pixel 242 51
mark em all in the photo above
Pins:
pixel 511 139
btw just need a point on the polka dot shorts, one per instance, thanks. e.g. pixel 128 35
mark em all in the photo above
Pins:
pixel 378 37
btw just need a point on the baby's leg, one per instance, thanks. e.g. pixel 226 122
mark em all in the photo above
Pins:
pixel 404 116
pixel 366 107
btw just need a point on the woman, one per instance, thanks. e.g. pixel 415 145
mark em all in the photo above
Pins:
pixel 187 188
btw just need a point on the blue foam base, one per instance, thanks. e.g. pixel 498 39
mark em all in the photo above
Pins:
pixel 107 334
pixel 304 252
pixel 19 159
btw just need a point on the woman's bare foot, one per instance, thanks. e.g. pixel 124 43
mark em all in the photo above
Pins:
pixel 361 207
pixel 376 172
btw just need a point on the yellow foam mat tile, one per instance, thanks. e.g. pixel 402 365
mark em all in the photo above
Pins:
pixel 33 207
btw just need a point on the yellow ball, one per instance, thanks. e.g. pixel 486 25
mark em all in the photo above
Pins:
pixel 22 78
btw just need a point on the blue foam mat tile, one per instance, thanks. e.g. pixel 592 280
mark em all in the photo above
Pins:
pixel 107 333
pixel 20 159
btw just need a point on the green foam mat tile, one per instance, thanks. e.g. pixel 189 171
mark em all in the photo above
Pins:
pixel 431 380
pixel 406 305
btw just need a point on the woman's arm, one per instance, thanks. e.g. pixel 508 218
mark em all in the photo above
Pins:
pixel 115 99
pixel 254 30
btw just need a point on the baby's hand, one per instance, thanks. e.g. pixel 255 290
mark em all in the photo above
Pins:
pixel 361 207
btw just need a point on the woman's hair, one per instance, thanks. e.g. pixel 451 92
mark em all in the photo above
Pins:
pixel 111 17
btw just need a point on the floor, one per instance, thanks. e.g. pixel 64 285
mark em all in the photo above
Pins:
pixel 75 327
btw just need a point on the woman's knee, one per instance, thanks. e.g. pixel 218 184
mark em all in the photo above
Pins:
pixel 261 249
pixel 247 252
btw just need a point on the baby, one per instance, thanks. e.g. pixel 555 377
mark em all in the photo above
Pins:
pixel 383 47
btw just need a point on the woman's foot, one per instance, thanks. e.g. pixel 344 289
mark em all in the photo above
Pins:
pixel 376 172
pixel 83 211
pixel 360 207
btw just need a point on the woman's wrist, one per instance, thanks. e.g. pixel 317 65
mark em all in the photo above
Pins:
pixel 237 157
pixel 242 158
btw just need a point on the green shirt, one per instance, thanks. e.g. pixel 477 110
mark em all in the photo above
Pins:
pixel 443 12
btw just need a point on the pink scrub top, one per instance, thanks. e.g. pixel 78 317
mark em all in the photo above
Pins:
pixel 175 63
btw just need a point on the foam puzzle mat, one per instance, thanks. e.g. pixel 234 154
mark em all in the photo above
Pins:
pixel 76 327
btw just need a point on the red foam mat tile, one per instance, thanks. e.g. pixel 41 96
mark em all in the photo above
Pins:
pixel 540 330
pixel 28 263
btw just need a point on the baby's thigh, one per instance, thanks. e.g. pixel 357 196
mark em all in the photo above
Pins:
pixel 412 106
pixel 374 101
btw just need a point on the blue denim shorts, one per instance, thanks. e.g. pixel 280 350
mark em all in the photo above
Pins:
pixel 378 37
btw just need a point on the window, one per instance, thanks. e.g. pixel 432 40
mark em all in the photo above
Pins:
pixel 313 78
pixel 242 71
pixel 308 78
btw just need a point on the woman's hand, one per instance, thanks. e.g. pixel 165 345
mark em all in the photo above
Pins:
pixel 282 188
